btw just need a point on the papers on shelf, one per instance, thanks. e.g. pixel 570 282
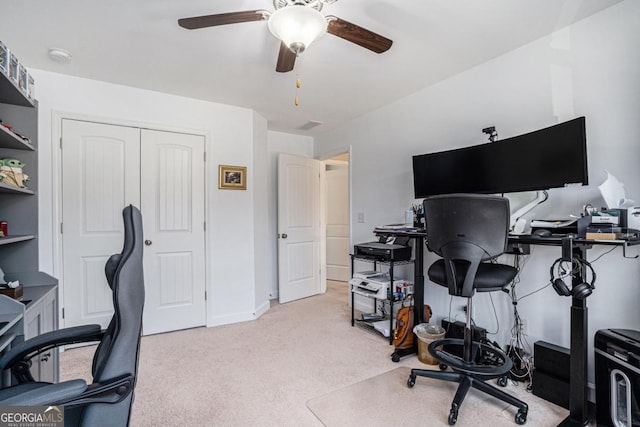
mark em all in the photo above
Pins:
pixel 382 326
pixel 553 223
pixel 395 227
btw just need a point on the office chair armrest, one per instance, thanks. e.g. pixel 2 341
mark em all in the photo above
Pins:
pixel 41 393
pixel 17 358
pixel 112 391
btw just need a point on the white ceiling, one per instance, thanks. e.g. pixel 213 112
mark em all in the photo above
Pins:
pixel 139 43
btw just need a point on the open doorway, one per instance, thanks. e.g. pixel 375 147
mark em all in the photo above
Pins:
pixel 336 196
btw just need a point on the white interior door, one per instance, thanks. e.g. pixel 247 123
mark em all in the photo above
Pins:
pixel 100 175
pixel 106 167
pixel 298 227
pixel 337 221
pixel 172 202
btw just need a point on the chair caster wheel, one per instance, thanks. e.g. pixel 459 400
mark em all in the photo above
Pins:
pixel 395 357
pixel 411 381
pixel 453 417
pixel 521 417
pixel 442 367
pixel 502 381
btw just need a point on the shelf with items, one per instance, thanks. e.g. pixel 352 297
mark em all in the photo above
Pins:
pixel 8 139
pixel 381 289
pixel 15 239
pixel 36 311
pixel 10 93
pixel 16 83
pixel 382 318
pixel 8 188
pixel 18 206
pixel 380 260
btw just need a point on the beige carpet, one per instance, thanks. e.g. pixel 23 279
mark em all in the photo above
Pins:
pixel 385 400
pixel 264 372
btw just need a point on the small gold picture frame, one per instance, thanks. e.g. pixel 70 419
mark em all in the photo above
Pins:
pixel 232 177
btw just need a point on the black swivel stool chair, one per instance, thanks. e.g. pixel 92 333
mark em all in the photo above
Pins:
pixel 467 230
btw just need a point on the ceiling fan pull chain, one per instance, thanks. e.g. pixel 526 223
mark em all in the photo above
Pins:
pixel 296 101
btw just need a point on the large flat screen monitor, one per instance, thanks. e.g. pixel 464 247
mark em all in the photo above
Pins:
pixel 540 160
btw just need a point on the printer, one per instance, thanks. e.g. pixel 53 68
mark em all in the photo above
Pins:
pixel 615 224
pixel 629 218
pixel 624 218
pixel 383 251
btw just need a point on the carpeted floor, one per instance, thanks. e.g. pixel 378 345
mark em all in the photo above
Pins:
pixel 297 358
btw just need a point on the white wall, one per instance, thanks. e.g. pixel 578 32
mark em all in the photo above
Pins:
pixel 262 241
pixel 279 142
pixel 589 69
pixel 232 135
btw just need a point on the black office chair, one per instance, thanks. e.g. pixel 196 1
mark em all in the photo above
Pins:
pixel 107 400
pixel 467 230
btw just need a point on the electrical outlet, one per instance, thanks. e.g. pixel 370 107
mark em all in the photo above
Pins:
pixel 361 217
pixel 524 327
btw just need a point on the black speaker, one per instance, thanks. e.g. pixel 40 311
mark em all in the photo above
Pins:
pixel 550 388
pixel 551 374
pixel 552 359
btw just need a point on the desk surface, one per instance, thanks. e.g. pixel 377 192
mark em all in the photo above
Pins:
pixel 554 240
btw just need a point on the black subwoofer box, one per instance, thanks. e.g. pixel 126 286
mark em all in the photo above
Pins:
pixel 551 374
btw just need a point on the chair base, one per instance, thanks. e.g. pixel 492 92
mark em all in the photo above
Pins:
pixel 467 381
pixel 499 368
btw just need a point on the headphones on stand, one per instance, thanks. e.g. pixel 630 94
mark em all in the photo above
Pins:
pixel 558 271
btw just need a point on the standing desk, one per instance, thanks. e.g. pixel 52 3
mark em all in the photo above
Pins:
pixel 579 414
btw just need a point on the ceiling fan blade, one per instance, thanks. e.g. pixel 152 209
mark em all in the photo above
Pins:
pixel 222 19
pixel 286 59
pixel 358 35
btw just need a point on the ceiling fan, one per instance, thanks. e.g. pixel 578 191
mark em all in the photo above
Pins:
pixel 297 23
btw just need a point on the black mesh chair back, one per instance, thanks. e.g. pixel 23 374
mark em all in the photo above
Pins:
pixel 466 230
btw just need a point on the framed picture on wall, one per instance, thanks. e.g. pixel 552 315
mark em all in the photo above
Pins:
pixel 232 177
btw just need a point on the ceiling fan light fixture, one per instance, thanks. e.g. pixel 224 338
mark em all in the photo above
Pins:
pixel 297 26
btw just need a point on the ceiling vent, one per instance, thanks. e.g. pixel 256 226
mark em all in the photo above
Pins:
pixel 310 125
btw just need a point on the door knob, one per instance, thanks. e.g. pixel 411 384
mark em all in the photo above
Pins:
pixel 148 242
pixel 284 235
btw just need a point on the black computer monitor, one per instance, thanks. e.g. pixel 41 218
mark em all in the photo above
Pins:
pixel 547 158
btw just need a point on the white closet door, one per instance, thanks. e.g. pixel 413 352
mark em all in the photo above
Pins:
pixel 106 167
pixel 100 175
pixel 172 173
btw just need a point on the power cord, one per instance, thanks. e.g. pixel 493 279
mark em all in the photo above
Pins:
pixel 519 349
